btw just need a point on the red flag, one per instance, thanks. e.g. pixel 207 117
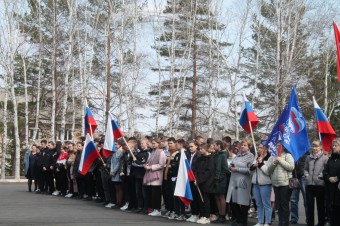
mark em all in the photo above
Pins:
pixel 337 41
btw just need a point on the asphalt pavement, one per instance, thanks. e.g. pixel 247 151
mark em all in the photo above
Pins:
pixel 20 207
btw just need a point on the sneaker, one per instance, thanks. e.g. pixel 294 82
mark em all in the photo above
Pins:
pixel 266 225
pixel 69 195
pixel 172 216
pixel 155 213
pixel 180 218
pixel 213 217
pixel 258 224
pixel 110 205
pixel 166 214
pixel 125 206
pixel 203 220
pixel 193 219
pixel 56 193
pixel 219 220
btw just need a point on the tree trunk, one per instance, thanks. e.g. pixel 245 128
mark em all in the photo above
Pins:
pixel 278 104
pixel 108 65
pixel 68 72
pixel 4 138
pixel 54 72
pixel 26 103
pixel 37 111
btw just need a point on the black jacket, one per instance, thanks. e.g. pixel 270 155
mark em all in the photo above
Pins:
pixel 50 158
pixel 300 166
pixel 205 172
pixel 76 165
pixel 332 169
pixel 174 165
pixel 141 159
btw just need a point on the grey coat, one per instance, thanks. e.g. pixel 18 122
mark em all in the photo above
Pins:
pixel 240 181
pixel 313 170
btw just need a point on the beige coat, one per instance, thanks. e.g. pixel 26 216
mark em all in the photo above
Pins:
pixel 280 172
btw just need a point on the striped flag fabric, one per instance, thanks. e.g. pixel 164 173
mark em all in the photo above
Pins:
pixel 184 177
pixel 327 133
pixel 112 134
pixel 90 122
pixel 248 116
pixel 88 156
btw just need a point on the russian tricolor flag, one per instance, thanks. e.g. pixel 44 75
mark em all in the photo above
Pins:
pixel 88 156
pixel 248 117
pixel 184 177
pixel 112 134
pixel 90 122
pixel 325 129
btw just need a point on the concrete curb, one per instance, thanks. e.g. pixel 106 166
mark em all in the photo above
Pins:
pixel 13 180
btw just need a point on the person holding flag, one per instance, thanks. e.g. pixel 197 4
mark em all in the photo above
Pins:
pixel 280 170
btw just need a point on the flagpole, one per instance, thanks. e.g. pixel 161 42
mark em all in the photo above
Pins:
pixel 199 191
pixel 314 101
pixel 133 156
pixel 252 136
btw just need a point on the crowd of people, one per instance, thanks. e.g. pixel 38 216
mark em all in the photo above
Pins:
pixel 230 178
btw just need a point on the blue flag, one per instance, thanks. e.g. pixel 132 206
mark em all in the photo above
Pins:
pixel 291 130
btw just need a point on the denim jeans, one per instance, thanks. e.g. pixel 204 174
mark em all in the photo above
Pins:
pixel 262 197
pixel 294 201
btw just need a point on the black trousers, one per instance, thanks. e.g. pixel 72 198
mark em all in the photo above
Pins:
pixel 196 200
pixel 335 215
pixel 154 196
pixel 99 184
pixel 131 188
pixel 318 193
pixel 49 181
pixel 107 187
pixel 168 195
pixel 140 193
pixel 61 180
pixel 81 185
pixel 240 212
pixel 282 198
pixel 89 184
pixel 205 207
pixel 179 207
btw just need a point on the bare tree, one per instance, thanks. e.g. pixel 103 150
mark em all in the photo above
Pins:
pixel 69 60
pixel 4 136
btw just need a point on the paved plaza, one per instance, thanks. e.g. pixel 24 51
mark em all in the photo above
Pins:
pixel 19 207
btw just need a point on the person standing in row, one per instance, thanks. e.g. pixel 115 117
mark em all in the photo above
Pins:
pixel 331 176
pixel 240 183
pixel 280 168
pixel 30 167
pixel 153 177
pixel 262 187
pixel 315 185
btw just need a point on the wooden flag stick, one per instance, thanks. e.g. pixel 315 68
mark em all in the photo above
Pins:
pixel 199 191
pixel 133 156
pixel 252 136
